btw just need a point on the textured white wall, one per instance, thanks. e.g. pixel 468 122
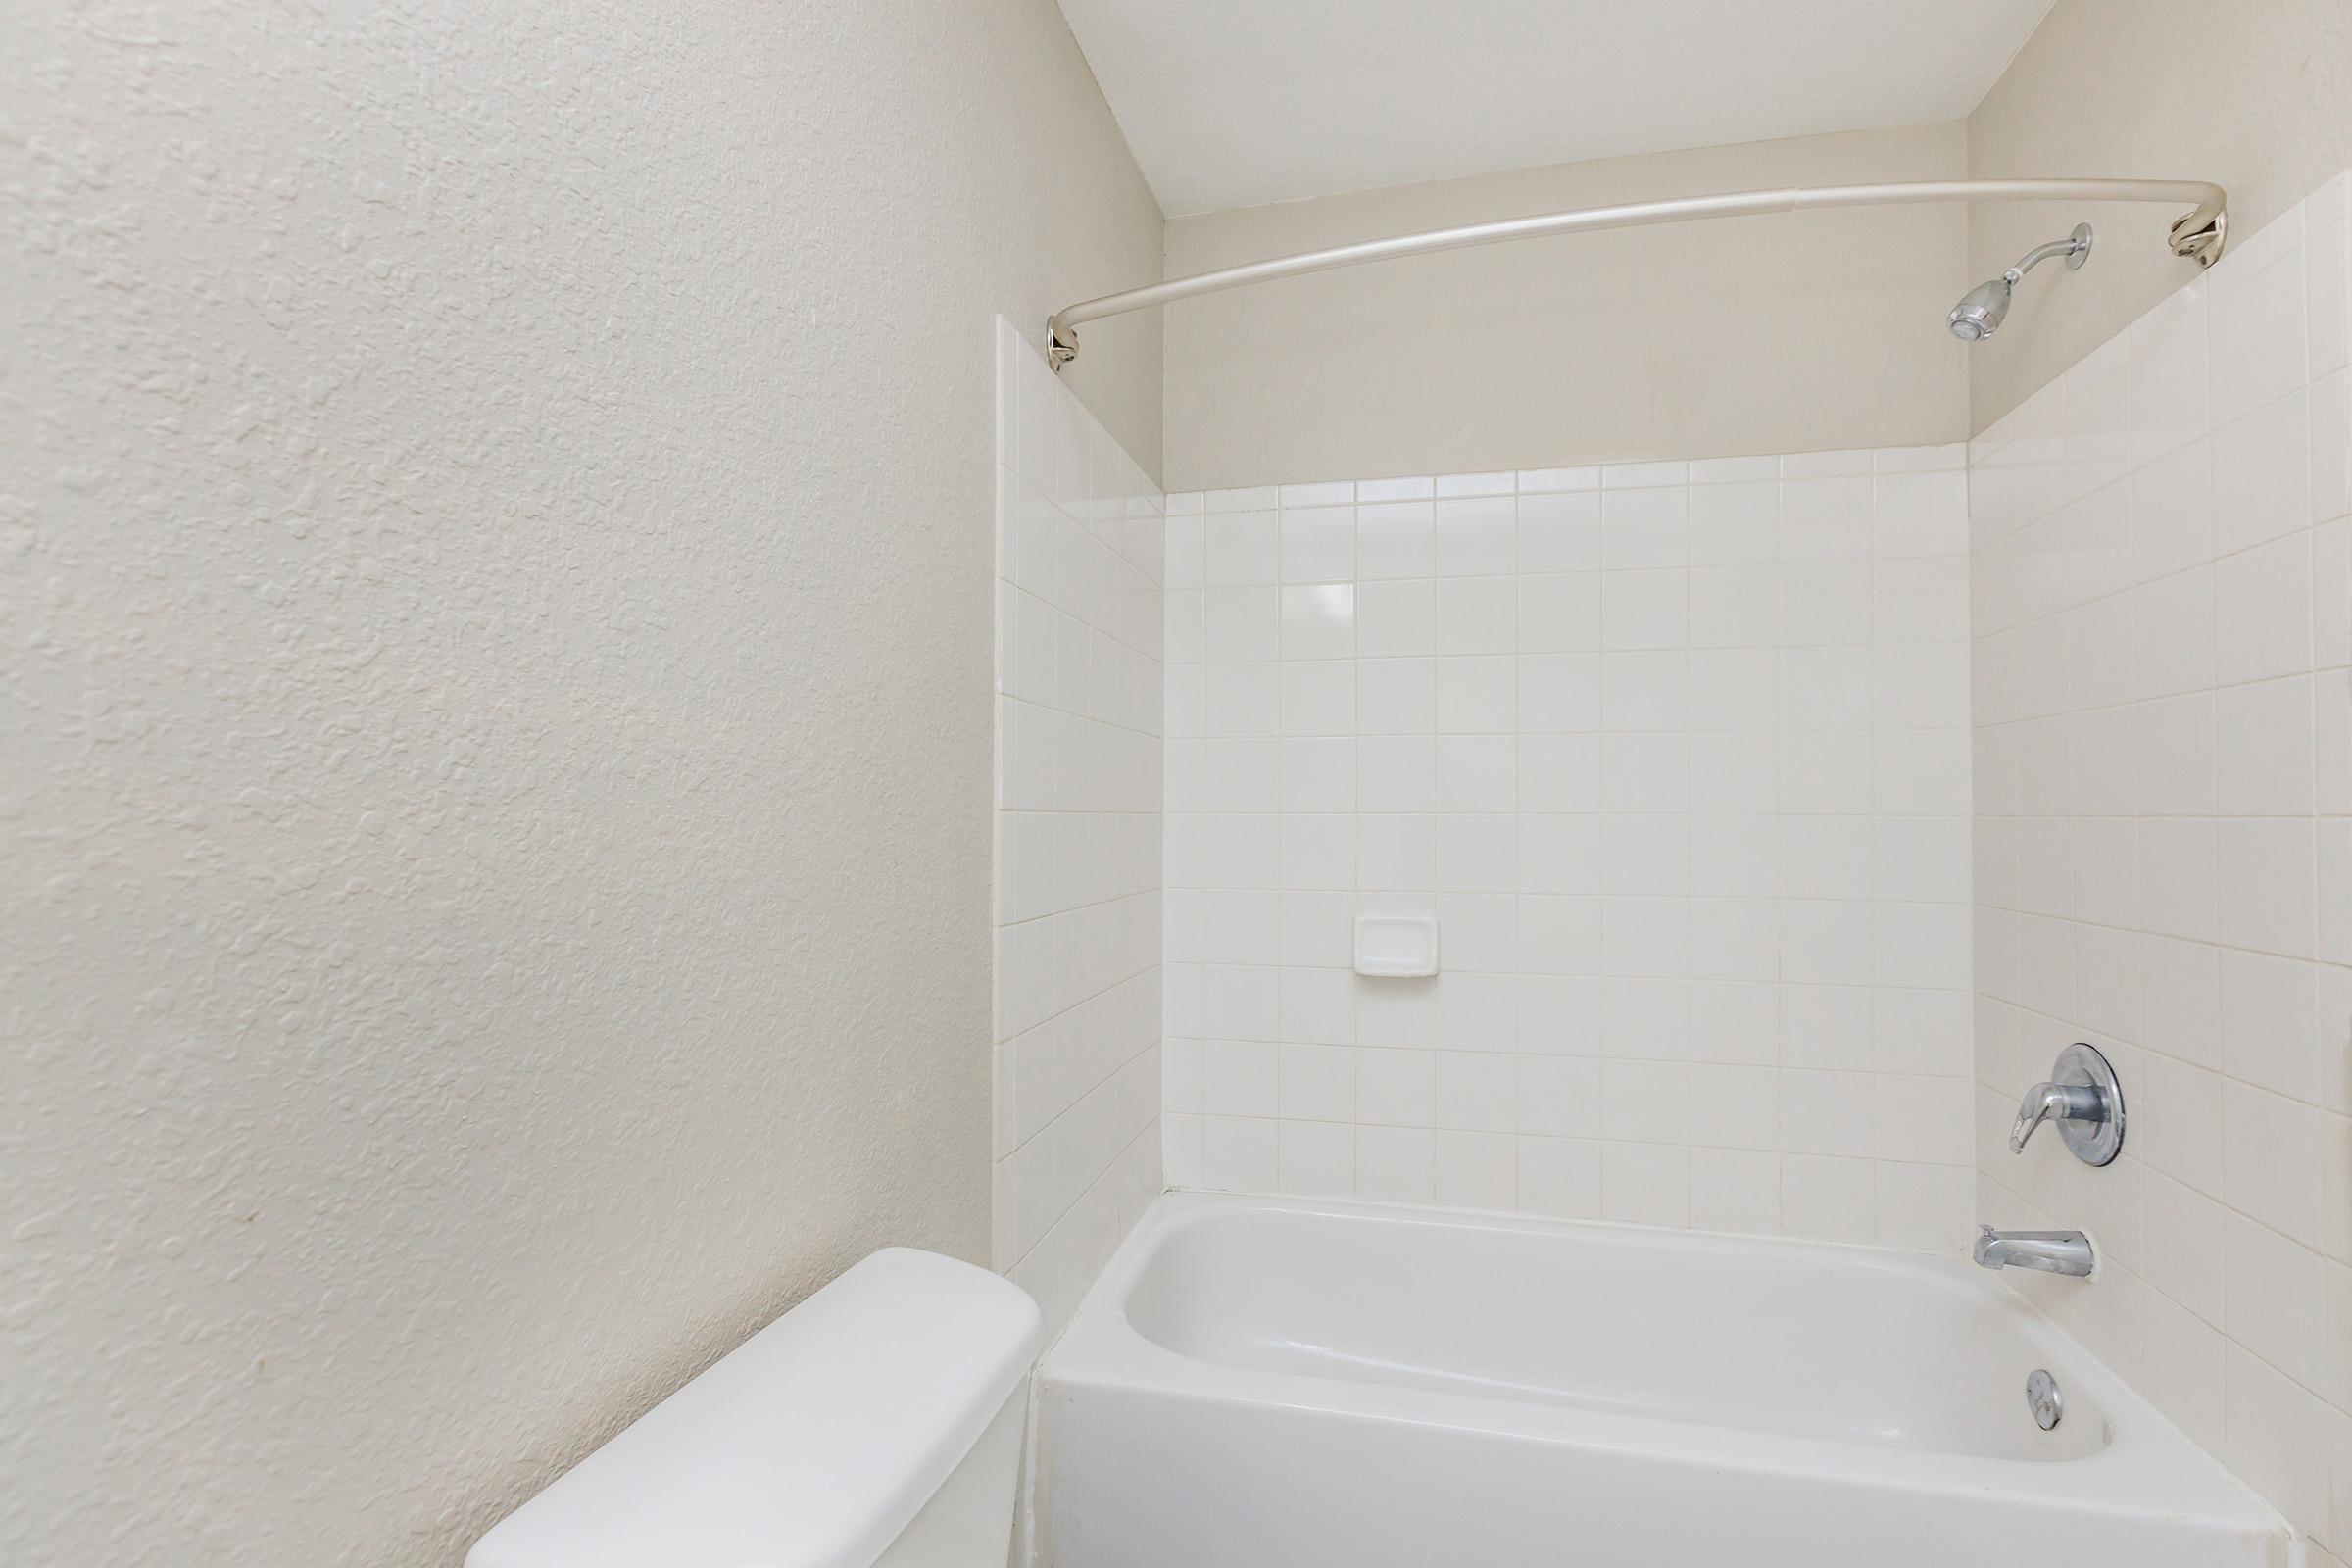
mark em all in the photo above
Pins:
pixel 1796 333
pixel 495 548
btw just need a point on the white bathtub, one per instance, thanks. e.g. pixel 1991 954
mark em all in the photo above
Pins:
pixel 1262 1383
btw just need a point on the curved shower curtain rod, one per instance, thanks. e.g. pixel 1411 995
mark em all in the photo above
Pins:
pixel 2200 235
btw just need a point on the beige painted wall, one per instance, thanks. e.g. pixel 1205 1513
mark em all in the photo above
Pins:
pixel 495 718
pixel 1737 336
pixel 2256 94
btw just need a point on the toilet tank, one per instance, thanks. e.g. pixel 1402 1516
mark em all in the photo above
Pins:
pixel 876 1425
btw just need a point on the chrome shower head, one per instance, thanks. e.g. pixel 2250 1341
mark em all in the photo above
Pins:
pixel 1980 313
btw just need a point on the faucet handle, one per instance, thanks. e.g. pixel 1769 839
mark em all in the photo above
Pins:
pixel 2085 1102
pixel 2053 1103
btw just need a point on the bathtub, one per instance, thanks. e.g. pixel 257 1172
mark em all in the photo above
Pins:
pixel 1260 1383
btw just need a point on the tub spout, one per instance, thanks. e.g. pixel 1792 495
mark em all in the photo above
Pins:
pixel 2065 1252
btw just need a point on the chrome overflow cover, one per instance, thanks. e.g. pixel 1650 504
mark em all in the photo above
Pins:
pixel 2043 1399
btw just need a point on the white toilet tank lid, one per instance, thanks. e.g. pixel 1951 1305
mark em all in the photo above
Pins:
pixel 812 1446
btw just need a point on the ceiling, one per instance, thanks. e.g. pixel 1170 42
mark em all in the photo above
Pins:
pixel 1235 102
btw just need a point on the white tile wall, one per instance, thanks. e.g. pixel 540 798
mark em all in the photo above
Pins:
pixel 1078 848
pixel 2164 846
pixel 1677 753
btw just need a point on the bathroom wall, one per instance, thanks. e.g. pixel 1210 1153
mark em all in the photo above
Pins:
pixel 2256 94
pixel 495 717
pixel 2164 845
pixel 1079 692
pixel 1786 333
pixel 1677 753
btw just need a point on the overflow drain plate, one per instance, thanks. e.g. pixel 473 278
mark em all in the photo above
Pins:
pixel 2043 1399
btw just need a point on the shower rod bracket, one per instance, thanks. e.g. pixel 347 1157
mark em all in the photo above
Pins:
pixel 2200 237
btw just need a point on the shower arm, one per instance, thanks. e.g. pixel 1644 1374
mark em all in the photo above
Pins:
pixel 2070 246
pixel 2199 236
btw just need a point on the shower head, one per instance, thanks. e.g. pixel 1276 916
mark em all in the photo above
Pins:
pixel 1980 313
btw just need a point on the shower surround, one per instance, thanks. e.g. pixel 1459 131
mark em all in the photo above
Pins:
pixel 1677 753
pixel 2164 845
pixel 1784 817
pixel 1078 835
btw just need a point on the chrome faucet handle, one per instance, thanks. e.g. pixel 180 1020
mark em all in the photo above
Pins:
pixel 2084 1099
pixel 2053 1102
